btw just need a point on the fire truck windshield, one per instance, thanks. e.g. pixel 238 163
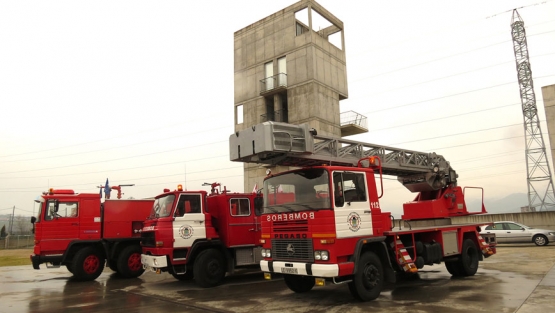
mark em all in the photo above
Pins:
pixel 162 207
pixel 301 190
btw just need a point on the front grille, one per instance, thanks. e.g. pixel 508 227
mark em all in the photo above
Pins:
pixel 293 250
pixel 147 239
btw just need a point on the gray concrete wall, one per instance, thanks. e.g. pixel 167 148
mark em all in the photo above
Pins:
pixel 544 219
pixel 548 95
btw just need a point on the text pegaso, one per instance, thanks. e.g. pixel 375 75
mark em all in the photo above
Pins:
pixel 290 216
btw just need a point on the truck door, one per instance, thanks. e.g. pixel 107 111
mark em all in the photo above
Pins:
pixel 189 223
pixel 60 225
pixel 243 226
pixel 353 217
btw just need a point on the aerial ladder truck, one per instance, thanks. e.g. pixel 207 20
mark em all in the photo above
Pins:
pixel 322 221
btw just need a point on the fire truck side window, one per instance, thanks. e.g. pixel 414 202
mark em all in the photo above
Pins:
pixel 50 210
pixel 67 209
pixel 350 186
pixel 239 207
pixel 355 190
pixel 338 189
pixel 188 204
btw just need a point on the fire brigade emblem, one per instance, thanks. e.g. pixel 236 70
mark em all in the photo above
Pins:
pixel 186 231
pixel 354 221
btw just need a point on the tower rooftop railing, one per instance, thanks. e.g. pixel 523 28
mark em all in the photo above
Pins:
pixel 353 123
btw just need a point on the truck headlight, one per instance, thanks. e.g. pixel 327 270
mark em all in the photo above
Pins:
pixel 266 253
pixel 321 255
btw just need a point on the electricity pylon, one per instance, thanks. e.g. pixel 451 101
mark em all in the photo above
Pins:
pixel 540 183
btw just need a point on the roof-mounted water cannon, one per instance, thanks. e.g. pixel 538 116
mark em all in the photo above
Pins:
pixel 214 190
pixel 118 188
pixel 107 189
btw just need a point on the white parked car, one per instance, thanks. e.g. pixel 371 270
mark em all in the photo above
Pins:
pixel 511 232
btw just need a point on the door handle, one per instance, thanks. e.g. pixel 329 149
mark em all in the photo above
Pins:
pixel 367 211
pixel 74 224
pixel 200 222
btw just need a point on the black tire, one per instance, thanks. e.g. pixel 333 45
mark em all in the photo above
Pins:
pixel 88 264
pixel 209 269
pixel 183 277
pixel 453 268
pixel 367 282
pixel 69 268
pixel 299 284
pixel 540 240
pixel 467 264
pixel 129 262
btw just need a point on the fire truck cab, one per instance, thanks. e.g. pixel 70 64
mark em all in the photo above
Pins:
pixel 80 232
pixel 201 235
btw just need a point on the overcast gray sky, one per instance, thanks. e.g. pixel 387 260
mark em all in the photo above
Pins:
pixel 141 92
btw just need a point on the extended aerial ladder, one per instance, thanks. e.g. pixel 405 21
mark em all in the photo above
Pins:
pixel 275 143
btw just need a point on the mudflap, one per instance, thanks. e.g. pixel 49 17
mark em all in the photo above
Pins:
pixel 35 259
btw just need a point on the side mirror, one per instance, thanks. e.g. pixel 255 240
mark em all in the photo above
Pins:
pixel 56 206
pixel 33 219
pixel 258 205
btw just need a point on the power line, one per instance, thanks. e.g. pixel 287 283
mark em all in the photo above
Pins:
pixel 444 30
pixel 227 168
pixel 447 96
pixel 441 58
pixel 446 117
pixel 456 115
pixel 477 143
pixel 121 169
pixel 448 76
pixel 458 134
pixel 427 62
pixel 118 159
pixel 134 179
pixel 101 140
pixel 110 148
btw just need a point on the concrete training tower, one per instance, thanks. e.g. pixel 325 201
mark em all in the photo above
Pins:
pixel 290 67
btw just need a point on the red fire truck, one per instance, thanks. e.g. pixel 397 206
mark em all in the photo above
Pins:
pixel 80 232
pixel 332 228
pixel 200 235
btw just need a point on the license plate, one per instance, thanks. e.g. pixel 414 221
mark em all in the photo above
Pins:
pixel 289 270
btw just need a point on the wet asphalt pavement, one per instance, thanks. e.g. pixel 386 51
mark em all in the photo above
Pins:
pixel 520 278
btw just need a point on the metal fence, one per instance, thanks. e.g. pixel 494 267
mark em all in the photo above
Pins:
pixel 273 82
pixel 353 118
pixel 276 116
pixel 17 242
